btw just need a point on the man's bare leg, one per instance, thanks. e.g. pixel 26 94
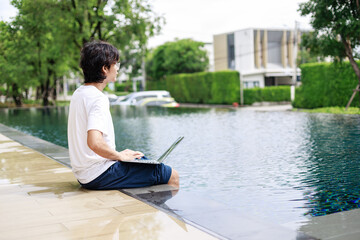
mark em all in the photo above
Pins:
pixel 174 179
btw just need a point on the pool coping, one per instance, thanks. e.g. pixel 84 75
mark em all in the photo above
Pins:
pixel 41 199
pixel 61 155
pixel 227 224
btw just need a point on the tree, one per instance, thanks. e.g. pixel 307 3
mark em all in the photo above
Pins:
pixel 128 24
pixel 14 69
pixel 337 29
pixel 305 54
pixel 55 30
pixel 44 26
pixel 181 56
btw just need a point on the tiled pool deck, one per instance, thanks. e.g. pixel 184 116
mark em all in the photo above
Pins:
pixel 41 199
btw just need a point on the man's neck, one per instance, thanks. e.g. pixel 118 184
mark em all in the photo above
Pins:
pixel 99 86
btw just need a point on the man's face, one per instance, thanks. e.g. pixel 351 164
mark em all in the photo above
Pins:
pixel 112 72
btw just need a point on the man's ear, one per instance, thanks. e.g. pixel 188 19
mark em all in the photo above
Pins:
pixel 104 69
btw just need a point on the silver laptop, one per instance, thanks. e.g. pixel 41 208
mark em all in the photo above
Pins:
pixel 161 158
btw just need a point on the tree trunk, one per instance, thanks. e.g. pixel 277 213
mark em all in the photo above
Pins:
pixel 7 93
pixel 38 92
pixel 349 54
pixel 53 93
pixel 26 91
pixel 46 93
pixel 16 96
pixel 56 88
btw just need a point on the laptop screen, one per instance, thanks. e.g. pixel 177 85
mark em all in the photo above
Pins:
pixel 167 152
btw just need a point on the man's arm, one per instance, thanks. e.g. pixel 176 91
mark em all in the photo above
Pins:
pixel 96 142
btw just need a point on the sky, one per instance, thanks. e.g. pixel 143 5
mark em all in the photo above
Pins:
pixel 201 19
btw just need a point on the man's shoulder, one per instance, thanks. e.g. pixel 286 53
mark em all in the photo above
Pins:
pixel 88 97
pixel 89 92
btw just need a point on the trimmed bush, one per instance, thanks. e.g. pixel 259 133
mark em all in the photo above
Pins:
pixel 267 94
pixel 205 87
pixel 221 87
pixel 156 85
pixel 326 85
pixel 126 86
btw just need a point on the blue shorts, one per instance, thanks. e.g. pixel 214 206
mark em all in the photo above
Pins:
pixel 130 175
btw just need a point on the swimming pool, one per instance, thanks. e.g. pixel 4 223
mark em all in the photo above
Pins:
pixel 281 166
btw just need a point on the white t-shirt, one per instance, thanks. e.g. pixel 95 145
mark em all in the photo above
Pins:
pixel 89 109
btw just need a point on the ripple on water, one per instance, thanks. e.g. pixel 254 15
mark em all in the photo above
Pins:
pixel 281 166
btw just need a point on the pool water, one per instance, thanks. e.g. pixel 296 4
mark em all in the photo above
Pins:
pixel 285 167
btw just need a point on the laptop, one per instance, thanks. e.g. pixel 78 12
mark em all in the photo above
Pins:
pixel 161 158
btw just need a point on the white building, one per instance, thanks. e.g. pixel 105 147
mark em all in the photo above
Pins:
pixel 264 57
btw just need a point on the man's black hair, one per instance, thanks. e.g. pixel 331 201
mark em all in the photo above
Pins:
pixel 95 55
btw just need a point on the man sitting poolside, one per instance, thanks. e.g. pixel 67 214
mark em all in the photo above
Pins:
pixel 94 160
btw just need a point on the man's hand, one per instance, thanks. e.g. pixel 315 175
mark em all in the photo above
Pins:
pixel 96 143
pixel 128 155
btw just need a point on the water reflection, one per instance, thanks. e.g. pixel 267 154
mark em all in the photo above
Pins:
pixel 46 123
pixel 18 165
pixel 333 166
pixel 279 166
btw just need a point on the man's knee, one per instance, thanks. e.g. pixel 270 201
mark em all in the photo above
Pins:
pixel 174 179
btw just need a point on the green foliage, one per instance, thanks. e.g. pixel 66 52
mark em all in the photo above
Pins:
pixel 221 87
pixel 2 91
pixel 14 69
pixel 267 94
pixel 319 44
pixel 332 110
pixel 332 19
pixel 123 87
pixel 181 56
pixel 43 42
pixel 225 88
pixel 307 56
pixel 337 29
pixel 62 103
pixel 325 85
pixel 30 102
pixel 156 85
pixel 126 86
pixel 205 87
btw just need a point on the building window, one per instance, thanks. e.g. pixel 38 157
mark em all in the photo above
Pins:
pixel 231 51
pixel 274 47
pixel 246 84
pixel 269 81
pixel 256 84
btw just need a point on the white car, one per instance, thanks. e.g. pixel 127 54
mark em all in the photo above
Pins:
pixel 112 97
pixel 147 98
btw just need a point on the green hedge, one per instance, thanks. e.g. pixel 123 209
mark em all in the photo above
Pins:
pixel 126 86
pixel 205 87
pixel 326 85
pixel 156 85
pixel 221 87
pixel 267 94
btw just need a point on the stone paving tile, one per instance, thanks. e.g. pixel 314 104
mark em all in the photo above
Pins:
pixel 41 199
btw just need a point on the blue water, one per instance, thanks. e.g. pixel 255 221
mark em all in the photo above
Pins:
pixel 280 166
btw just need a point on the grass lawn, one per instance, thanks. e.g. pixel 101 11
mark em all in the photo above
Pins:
pixel 33 103
pixel 333 110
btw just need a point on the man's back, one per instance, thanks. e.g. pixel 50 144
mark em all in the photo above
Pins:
pixel 89 109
